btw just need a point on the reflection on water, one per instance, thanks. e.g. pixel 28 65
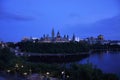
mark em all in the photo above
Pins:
pixel 108 62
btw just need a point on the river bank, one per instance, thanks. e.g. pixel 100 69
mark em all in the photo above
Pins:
pixel 108 61
pixel 56 58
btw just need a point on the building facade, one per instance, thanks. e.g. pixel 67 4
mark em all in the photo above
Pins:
pixel 55 37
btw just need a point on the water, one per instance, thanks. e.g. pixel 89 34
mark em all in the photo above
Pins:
pixel 108 62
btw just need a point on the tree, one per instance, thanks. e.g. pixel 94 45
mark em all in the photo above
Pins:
pixel 5 57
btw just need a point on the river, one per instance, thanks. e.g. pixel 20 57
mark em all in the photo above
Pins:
pixel 108 62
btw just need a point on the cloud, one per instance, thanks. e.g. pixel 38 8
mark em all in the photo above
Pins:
pixel 109 27
pixel 11 16
pixel 74 15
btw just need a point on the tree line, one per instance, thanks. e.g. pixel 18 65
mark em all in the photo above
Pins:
pixel 71 47
pixel 66 47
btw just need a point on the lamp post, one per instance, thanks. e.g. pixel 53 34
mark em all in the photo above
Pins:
pixel 16 68
pixel 22 66
pixel 30 72
pixel 68 77
pixel 8 71
pixel 25 74
pixel 47 73
pixel 63 75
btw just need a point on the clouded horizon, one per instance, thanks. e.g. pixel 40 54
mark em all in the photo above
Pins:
pixel 84 18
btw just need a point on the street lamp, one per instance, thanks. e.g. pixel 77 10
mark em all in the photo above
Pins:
pixel 63 72
pixel 47 73
pixel 17 67
pixel 30 70
pixel 25 74
pixel 67 76
pixel 8 71
pixel 22 66
pixel 63 75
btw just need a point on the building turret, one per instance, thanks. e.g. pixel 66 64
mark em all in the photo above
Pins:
pixel 58 34
pixel 44 36
pixel 100 37
pixel 64 37
pixel 53 33
pixel 67 37
pixel 73 38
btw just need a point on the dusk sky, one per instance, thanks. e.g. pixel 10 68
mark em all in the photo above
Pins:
pixel 84 18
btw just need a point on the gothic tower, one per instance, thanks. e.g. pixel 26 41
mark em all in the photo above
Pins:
pixel 53 33
pixel 58 34
pixel 73 38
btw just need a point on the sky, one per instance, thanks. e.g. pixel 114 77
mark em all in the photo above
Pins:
pixel 84 18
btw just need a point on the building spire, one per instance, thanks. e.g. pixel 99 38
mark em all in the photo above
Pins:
pixel 58 34
pixel 53 33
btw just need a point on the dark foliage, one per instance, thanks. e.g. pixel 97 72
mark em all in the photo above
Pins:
pixel 72 47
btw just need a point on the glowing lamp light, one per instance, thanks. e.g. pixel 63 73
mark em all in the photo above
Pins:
pixel 47 73
pixel 8 71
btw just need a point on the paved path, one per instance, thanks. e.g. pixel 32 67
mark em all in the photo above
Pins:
pixel 40 77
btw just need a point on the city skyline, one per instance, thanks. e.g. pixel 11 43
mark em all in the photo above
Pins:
pixel 84 18
pixel 56 36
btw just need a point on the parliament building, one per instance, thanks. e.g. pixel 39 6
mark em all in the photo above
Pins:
pixel 55 37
